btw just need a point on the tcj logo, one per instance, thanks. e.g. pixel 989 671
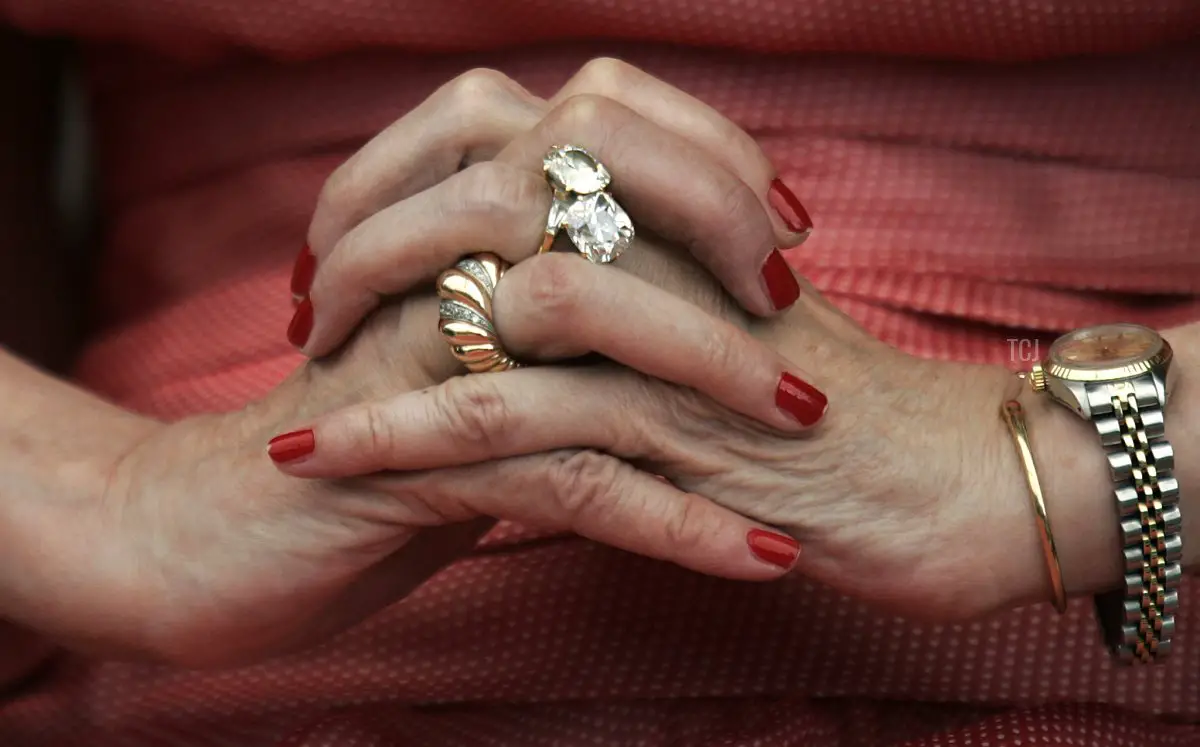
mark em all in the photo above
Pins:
pixel 1023 350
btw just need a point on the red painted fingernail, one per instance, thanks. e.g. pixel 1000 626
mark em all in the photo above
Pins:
pixel 801 400
pixel 793 214
pixel 303 272
pixel 288 447
pixel 782 286
pixel 774 548
pixel 301 324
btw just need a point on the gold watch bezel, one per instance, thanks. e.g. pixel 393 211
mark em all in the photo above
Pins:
pixel 1117 373
pixel 1047 369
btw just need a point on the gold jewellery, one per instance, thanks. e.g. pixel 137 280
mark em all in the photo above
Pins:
pixel 1119 377
pixel 465 313
pixel 597 225
pixel 595 222
pixel 1014 418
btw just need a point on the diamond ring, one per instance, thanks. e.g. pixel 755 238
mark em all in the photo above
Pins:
pixel 465 313
pixel 596 224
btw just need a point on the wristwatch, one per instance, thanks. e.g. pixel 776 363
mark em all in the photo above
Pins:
pixel 1118 376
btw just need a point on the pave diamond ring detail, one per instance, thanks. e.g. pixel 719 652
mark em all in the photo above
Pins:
pixel 465 313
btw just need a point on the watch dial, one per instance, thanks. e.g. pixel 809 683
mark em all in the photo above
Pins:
pixel 1106 346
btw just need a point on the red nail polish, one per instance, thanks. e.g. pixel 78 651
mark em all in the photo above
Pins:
pixel 801 400
pixel 789 208
pixel 303 272
pixel 781 282
pixel 288 447
pixel 301 325
pixel 774 548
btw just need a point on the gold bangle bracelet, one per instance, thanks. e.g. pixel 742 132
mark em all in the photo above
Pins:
pixel 1014 418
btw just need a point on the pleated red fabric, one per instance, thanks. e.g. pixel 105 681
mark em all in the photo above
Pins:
pixel 977 171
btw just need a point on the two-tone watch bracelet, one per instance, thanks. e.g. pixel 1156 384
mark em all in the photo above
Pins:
pixel 1139 620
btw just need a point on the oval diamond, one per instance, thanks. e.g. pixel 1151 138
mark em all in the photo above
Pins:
pixel 573 169
pixel 600 228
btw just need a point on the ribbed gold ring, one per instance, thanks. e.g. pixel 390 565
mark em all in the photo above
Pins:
pixel 465 313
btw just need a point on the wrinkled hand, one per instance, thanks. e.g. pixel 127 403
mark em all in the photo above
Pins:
pixel 462 173
pixel 200 553
pixel 893 497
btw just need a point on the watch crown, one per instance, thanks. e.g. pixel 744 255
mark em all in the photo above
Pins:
pixel 1037 378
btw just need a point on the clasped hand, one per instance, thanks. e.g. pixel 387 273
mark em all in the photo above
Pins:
pixel 217 556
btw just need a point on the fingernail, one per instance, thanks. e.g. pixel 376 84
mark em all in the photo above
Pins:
pixel 774 548
pixel 801 400
pixel 788 206
pixel 303 272
pixel 781 282
pixel 301 325
pixel 288 447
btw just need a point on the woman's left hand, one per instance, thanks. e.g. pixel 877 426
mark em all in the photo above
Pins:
pixel 903 495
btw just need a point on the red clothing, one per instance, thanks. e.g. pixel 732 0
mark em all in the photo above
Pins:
pixel 957 204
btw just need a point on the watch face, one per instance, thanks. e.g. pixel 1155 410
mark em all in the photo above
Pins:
pixel 1106 346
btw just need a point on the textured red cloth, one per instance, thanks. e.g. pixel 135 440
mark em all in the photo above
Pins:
pixel 959 202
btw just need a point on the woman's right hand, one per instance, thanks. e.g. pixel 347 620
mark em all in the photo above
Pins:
pixel 463 172
pixel 201 553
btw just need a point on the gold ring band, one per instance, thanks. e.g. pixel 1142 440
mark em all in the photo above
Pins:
pixel 1014 418
pixel 581 205
pixel 465 313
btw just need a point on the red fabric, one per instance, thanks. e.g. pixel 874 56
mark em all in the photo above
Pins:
pixel 958 204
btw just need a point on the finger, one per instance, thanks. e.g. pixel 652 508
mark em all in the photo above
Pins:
pixel 675 189
pixel 500 207
pixel 469 119
pixel 557 306
pixel 476 418
pixel 728 144
pixel 490 206
pixel 607 500
pixel 492 416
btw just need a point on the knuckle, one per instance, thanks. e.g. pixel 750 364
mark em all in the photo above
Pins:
pixel 721 355
pixel 344 193
pixel 743 145
pixel 553 285
pixel 349 276
pixel 583 484
pixel 377 430
pixel 685 529
pixel 665 420
pixel 340 264
pixel 604 75
pixel 643 411
pixel 495 189
pixel 729 216
pixel 473 412
pixel 476 89
pixel 731 200
pixel 583 115
pixel 471 99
